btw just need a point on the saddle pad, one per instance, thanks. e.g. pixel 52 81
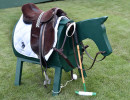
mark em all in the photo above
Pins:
pixel 22 35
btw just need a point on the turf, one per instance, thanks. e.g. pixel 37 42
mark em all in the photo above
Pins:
pixel 110 79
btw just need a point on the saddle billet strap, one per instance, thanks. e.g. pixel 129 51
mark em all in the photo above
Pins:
pixel 42 59
pixel 40 47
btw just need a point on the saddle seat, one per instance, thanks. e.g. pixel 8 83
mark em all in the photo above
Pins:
pixel 31 13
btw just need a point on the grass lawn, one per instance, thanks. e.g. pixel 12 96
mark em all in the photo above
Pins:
pixel 110 79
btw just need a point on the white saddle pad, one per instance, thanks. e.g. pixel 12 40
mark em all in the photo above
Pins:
pixel 22 34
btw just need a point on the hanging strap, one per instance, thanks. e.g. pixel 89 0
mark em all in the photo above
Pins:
pixel 84 50
pixel 94 59
pixel 42 59
pixel 100 52
pixel 75 54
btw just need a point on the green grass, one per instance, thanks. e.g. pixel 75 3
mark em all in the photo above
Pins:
pixel 110 79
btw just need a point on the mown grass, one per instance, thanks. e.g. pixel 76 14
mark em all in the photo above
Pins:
pixel 110 79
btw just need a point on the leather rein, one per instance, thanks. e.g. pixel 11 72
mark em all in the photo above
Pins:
pixel 94 59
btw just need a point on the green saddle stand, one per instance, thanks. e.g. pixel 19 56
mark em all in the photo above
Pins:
pixel 55 61
pixel 92 28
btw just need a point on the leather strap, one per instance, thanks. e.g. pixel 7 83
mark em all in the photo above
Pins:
pixel 84 50
pixel 64 56
pixel 42 59
pixel 75 53
pixel 94 60
pixel 100 52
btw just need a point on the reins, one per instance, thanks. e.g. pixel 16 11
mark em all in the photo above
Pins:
pixel 94 59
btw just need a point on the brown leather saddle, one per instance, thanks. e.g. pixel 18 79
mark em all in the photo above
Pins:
pixel 42 31
pixel 32 14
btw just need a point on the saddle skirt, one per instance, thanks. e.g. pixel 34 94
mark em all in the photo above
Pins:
pixel 22 38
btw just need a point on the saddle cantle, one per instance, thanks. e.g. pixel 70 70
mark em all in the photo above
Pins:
pixel 32 14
